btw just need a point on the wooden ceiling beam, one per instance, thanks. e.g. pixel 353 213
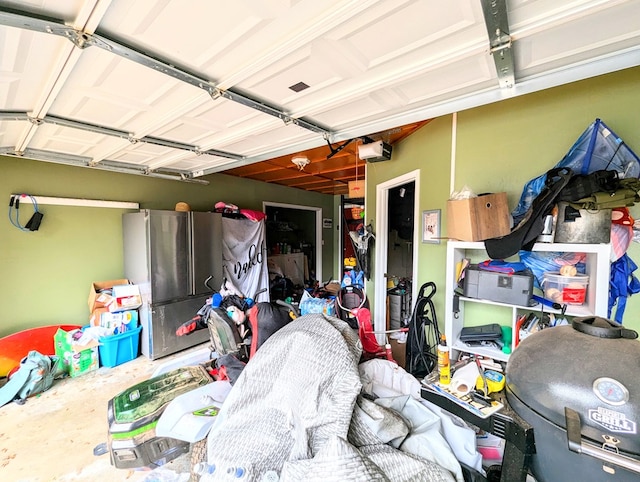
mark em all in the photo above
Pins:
pixel 324 174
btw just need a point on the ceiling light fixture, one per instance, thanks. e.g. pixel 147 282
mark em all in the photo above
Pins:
pixel 300 161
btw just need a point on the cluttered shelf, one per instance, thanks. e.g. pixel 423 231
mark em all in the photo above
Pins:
pixel 352 219
pixel 470 283
pixel 545 284
pixel 473 388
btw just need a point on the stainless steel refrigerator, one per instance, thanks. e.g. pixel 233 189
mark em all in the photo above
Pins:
pixel 170 254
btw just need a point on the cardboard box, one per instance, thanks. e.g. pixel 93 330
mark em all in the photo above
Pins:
pixel 96 316
pixel 399 351
pixel 356 189
pixel 101 300
pixel 318 305
pixel 478 218
pixel 76 359
pixel 112 321
pixel 125 298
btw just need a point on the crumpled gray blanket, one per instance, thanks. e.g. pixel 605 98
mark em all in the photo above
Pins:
pixel 296 414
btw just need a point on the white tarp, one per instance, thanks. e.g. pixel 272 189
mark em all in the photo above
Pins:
pixel 244 256
pixel 296 414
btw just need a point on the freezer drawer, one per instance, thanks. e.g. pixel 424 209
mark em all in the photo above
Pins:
pixel 159 324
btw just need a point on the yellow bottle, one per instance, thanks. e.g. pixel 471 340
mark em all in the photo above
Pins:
pixel 444 368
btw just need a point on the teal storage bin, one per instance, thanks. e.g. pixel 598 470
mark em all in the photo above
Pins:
pixel 118 349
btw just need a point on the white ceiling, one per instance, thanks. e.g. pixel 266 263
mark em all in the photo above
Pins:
pixel 184 88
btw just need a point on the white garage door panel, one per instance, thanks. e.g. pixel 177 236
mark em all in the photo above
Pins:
pixel 216 75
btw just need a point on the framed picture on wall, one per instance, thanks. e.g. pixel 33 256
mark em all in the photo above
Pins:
pixel 431 226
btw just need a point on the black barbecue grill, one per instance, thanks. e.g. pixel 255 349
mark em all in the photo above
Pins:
pixel 578 387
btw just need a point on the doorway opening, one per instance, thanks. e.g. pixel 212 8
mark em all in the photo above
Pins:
pixel 400 254
pixel 396 250
pixel 294 248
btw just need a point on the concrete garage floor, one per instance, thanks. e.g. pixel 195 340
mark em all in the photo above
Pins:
pixel 52 436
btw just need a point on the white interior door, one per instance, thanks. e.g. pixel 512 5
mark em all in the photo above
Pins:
pixel 382 246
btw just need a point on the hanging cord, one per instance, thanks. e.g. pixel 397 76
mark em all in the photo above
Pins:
pixel 14 213
pixel 14 205
pixel 424 335
pixel 356 168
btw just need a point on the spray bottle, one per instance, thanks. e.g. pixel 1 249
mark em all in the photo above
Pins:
pixel 444 368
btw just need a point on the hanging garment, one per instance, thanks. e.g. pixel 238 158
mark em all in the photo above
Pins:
pixel 622 285
pixel 244 256
pixel 363 242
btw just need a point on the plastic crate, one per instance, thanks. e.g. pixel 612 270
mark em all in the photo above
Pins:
pixel 118 349
pixel 570 290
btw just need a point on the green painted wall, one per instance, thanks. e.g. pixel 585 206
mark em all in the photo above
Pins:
pixel 500 147
pixel 46 274
pixel 428 149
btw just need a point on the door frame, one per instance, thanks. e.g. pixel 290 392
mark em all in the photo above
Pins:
pixel 318 240
pixel 382 246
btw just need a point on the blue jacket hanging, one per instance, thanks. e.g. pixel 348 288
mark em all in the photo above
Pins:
pixel 622 284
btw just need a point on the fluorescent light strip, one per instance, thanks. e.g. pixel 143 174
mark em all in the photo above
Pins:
pixel 62 201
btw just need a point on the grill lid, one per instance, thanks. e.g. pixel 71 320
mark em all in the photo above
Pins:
pixel 590 367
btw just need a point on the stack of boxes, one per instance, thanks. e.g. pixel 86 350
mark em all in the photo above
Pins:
pixel 114 307
pixel 114 310
pixel 108 297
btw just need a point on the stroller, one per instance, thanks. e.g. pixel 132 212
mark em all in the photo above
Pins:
pixel 354 309
pixel 350 300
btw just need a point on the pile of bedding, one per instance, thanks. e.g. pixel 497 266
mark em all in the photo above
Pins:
pixel 298 412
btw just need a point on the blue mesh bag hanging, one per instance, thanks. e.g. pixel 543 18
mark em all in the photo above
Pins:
pixel 596 149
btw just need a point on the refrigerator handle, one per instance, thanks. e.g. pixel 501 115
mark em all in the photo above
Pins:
pixel 191 243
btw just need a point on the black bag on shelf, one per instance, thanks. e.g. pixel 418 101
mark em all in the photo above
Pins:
pixel 487 332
